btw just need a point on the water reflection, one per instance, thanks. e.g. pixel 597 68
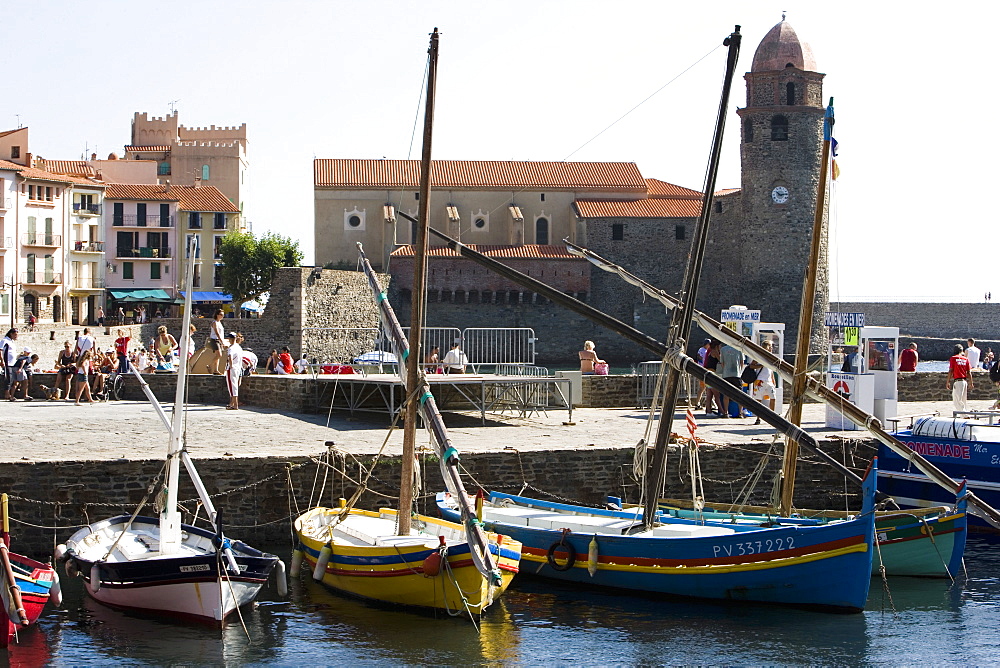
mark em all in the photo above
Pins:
pixel 541 622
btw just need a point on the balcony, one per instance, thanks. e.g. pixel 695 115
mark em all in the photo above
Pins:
pixel 86 209
pixel 88 246
pixel 41 278
pixel 135 220
pixel 41 239
pixel 143 252
pixel 87 283
pixel 6 242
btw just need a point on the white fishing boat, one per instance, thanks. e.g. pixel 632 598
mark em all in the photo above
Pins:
pixel 161 565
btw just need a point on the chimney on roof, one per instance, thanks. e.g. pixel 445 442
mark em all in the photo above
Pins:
pixel 93 156
pixel 197 182
pixel 29 160
pixel 166 188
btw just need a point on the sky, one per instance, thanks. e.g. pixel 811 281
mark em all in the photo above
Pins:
pixel 543 80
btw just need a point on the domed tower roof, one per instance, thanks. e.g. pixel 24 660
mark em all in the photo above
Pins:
pixel 782 48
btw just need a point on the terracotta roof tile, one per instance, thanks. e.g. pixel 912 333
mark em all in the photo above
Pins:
pixel 69 167
pixel 42 175
pixel 480 174
pixel 148 149
pixel 660 189
pixel 528 252
pixel 643 208
pixel 726 191
pixel 189 198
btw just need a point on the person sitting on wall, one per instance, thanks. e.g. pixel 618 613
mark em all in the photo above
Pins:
pixel 588 358
pixel 455 360
pixel 909 357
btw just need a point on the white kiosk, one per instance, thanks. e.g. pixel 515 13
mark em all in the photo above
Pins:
pixel 866 374
pixel 773 333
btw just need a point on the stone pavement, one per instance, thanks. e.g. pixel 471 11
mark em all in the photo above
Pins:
pixel 55 431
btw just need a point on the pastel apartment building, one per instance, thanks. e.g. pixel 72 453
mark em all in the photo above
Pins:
pixel 147 231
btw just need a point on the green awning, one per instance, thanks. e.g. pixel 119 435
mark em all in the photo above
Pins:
pixel 141 295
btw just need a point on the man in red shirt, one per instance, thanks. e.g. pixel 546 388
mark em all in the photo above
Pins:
pixel 959 379
pixel 908 358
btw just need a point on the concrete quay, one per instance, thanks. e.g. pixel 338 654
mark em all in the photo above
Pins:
pixel 58 431
pixel 65 466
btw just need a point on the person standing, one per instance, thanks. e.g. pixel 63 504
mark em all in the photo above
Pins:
pixel 764 389
pixel 713 398
pixel 166 344
pixel 908 358
pixel 217 342
pixel 100 316
pixel 959 379
pixel 234 369
pixel 8 357
pixel 731 368
pixel 121 349
pixel 455 360
pixel 85 342
pixel 973 353
pixel 82 377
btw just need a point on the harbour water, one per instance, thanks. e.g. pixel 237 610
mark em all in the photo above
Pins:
pixel 927 622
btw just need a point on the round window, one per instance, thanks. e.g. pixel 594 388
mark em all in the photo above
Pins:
pixel 480 222
pixel 354 221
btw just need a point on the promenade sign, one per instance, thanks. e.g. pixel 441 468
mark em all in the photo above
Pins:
pixel 845 328
pixel 740 320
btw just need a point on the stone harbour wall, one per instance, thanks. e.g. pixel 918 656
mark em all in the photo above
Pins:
pixel 941 320
pixel 258 497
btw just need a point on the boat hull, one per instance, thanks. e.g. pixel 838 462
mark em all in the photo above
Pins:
pixel 35 581
pixel 919 544
pixel 976 462
pixel 197 587
pixel 825 567
pixel 397 574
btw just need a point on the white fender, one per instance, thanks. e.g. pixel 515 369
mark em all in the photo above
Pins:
pixel 297 557
pixel 280 579
pixel 321 562
pixel 60 552
pixel 95 577
pixel 592 556
pixel 55 591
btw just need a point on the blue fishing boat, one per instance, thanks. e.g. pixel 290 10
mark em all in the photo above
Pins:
pixel 825 567
pixel 963 448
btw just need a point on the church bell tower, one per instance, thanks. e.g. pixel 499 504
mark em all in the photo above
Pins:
pixel 781 150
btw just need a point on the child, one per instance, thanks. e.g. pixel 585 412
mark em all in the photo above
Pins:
pixel 22 374
pixel 82 373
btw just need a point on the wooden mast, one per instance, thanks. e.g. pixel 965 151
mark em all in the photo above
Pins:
pixel 680 323
pixel 419 301
pixel 805 322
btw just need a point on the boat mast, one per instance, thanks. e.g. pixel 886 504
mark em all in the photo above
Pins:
pixel 170 517
pixel 806 309
pixel 417 308
pixel 680 322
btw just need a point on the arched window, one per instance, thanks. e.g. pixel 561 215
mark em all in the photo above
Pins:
pixel 779 128
pixel 789 93
pixel 748 131
pixel 204 172
pixel 542 231
pixel 163 169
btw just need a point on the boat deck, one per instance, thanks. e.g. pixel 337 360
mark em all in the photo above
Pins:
pixel 579 523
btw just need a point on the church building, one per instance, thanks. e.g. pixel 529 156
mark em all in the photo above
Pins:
pixel 519 212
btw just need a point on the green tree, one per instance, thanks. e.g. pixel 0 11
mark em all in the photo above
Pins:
pixel 250 264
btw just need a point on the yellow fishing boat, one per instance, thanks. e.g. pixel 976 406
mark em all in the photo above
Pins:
pixel 433 567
